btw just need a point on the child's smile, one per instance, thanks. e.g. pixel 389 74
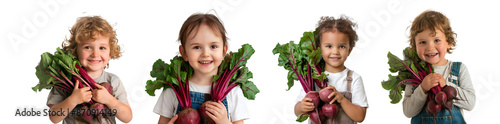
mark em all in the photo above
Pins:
pixel 432 47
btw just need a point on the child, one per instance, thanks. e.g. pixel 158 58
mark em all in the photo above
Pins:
pixel 337 39
pixel 93 41
pixel 431 36
pixel 203 44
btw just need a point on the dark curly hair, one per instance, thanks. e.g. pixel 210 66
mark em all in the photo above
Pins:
pixel 342 24
pixel 432 20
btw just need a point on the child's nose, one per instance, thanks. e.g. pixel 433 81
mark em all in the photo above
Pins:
pixel 95 53
pixel 205 53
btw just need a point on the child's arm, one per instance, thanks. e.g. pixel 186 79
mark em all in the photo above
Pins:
pixel 165 120
pixel 414 99
pixel 465 93
pixel 355 112
pixel 101 95
pixel 79 95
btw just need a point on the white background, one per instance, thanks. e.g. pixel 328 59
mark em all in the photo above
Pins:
pixel 148 30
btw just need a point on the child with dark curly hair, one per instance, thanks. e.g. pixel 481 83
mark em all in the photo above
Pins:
pixel 337 38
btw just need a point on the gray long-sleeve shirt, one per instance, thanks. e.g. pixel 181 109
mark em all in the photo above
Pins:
pixel 414 98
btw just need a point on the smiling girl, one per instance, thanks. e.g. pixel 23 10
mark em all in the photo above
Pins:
pixel 203 44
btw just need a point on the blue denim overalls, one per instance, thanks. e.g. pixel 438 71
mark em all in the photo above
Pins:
pixel 197 99
pixel 443 117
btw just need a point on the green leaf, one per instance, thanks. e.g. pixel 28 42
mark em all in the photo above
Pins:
pixel 395 96
pixel 158 69
pixel 302 117
pixel 152 86
pixel 291 77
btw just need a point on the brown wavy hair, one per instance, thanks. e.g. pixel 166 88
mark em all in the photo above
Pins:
pixel 87 28
pixel 194 21
pixel 432 20
pixel 342 24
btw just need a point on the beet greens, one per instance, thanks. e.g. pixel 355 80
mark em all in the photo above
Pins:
pixel 175 75
pixel 233 72
pixel 61 70
pixel 303 62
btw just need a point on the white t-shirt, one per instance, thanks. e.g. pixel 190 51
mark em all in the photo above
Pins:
pixel 167 102
pixel 339 81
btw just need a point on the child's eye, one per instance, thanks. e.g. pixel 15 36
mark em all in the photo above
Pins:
pixel 86 47
pixel 213 46
pixel 421 42
pixel 437 40
pixel 102 48
pixel 196 47
pixel 328 46
pixel 342 47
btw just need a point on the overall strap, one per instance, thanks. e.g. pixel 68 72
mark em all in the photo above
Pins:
pixel 349 80
pixel 455 72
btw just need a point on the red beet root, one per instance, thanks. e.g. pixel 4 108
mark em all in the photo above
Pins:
pixel 188 116
pixel 448 105
pixel 324 93
pixel 316 117
pixel 205 119
pixel 451 92
pixel 440 97
pixel 314 95
pixel 86 115
pixel 108 87
pixel 433 108
pixel 330 110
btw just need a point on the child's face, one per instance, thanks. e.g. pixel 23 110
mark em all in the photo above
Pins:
pixel 94 54
pixel 205 51
pixel 431 47
pixel 335 49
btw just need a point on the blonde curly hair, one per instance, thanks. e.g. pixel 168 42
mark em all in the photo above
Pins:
pixel 87 28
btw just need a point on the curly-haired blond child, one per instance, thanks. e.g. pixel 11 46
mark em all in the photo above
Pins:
pixel 93 41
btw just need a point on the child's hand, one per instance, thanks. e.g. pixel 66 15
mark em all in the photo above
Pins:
pixel 431 81
pixel 335 94
pixel 81 94
pixel 306 105
pixel 442 81
pixel 217 112
pixel 101 95
pixel 172 121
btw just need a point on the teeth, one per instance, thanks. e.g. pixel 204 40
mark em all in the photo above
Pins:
pixel 205 62
pixel 432 54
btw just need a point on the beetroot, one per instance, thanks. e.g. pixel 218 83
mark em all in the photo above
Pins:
pixel 205 119
pixel 314 95
pixel 451 92
pixel 330 110
pixel 440 97
pixel 108 87
pixel 317 117
pixel 188 116
pixel 86 115
pixel 433 107
pixel 324 93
